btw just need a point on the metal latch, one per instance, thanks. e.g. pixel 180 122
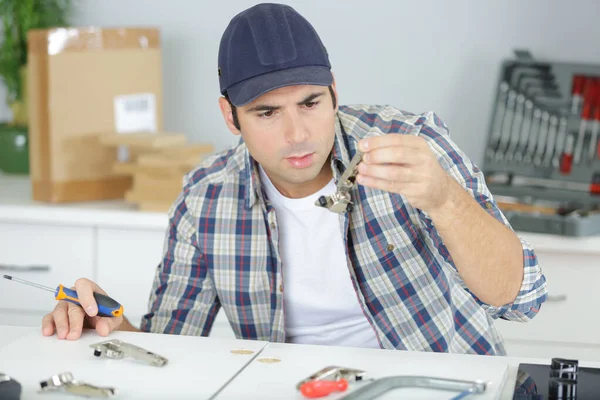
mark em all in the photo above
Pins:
pixel 117 349
pixel 381 386
pixel 340 201
pixel 65 382
pixel 335 373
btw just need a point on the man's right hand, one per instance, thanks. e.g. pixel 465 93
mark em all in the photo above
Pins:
pixel 68 319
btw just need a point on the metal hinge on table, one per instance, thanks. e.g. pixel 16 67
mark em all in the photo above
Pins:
pixel 66 383
pixel 117 349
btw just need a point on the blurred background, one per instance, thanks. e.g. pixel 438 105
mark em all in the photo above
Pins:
pixel 418 56
pixel 101 120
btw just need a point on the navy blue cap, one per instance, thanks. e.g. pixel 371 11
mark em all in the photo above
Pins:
pixel 269 46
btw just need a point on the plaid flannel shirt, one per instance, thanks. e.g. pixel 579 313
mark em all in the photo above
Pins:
pixel 222 251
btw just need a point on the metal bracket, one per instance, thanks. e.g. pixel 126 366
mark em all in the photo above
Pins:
pixel 380 386
pixel 65 382
pixel 117 349
pixel 335 373
pixel 340 201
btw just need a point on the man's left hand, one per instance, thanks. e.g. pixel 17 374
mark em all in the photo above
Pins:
pixel 404 164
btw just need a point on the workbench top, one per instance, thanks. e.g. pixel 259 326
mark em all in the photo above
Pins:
pixel 16 206
pixel 201 367
pixel 197 366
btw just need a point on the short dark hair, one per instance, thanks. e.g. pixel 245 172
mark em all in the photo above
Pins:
pixel 236 121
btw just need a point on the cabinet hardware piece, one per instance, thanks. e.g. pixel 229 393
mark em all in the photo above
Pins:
pixel 341 201
pixel 381 386
pixel 65 382
pixel 117 349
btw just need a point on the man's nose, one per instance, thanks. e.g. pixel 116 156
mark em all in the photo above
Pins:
pixel 295 130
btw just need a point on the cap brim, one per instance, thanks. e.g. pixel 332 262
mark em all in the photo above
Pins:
pixel 244 92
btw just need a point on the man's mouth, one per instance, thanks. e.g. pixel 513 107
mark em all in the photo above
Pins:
pixel 301 161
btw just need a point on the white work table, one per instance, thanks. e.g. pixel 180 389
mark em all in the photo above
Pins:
pixel 119 247
pixel 202 368
pixel 197 366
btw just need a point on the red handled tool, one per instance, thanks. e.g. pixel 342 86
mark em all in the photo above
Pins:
pixel 566 158
pixel 586 117
pixel 323 388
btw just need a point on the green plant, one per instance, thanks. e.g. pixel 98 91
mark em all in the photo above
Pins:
pixel 18 17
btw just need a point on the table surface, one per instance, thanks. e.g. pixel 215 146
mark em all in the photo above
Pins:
pixel 201 367
pixel 298 362
pixel 198 366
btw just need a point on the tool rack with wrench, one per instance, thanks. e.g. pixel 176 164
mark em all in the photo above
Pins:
pixel 543 145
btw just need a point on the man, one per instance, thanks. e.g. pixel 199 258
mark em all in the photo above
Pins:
pixel 424 260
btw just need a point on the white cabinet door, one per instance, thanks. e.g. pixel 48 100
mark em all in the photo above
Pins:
pixel 571 313
pixel 45 254
pixel 127 261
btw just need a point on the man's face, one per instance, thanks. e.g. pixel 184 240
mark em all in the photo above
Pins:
pixel 290 133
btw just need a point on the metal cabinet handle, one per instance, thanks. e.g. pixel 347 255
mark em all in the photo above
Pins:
pixel 557 299
pixel 24 268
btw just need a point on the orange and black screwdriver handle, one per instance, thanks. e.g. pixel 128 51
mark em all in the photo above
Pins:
pixel 107 307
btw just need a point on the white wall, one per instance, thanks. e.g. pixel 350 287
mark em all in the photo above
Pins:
pixel 417 55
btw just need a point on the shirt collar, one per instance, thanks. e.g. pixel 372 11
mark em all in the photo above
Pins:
pixel 340 158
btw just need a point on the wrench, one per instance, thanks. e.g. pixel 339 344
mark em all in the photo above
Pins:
pixel 515 129
pixel 580 137
pixel 537 158
pixel 519 73
pixel 593 150
pixel 551 142
pixel 525 130
pixel 540 91
pixel 506 124
pixel 533 136
pixel 498 118
pixel 560 141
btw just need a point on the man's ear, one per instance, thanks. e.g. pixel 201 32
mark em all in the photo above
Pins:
pixel 228 115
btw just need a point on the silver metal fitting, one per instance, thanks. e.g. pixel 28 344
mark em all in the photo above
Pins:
pixel 381 386
pixel 66 383
pixel 116 349
pixel 340 201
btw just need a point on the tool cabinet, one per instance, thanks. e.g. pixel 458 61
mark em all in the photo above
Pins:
pixel 542 149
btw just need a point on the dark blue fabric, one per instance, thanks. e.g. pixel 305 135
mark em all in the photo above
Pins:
pixel 269 46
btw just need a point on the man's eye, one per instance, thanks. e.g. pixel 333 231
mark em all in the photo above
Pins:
pixel 267 114
pixel 311 104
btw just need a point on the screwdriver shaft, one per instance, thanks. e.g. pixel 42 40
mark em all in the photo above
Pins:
pixel 10 278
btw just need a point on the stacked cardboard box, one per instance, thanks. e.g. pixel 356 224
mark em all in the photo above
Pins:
pixel 85 83
pixel 156 162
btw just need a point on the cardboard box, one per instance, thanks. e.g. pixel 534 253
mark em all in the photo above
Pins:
pixel 83 84
pixel 157 165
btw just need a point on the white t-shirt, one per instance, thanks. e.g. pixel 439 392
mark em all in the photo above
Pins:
pixel 320 304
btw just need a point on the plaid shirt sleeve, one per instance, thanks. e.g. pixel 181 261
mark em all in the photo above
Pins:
pixel 533 290
pixel 183 299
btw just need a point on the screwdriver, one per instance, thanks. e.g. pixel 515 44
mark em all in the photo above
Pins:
pixel 107 307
